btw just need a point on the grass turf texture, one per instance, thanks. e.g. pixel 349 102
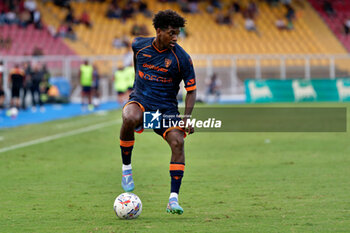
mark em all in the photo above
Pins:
pixel 234 182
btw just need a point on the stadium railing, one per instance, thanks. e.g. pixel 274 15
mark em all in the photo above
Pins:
pixel 231 69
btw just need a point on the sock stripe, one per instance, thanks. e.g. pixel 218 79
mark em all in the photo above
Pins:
pixel 174 167
pixel 176 163
pixel 127 143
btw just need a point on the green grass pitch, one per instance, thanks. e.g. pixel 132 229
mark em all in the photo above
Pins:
pixel 234 182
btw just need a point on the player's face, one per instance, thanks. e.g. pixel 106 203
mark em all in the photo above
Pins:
pixel 168 37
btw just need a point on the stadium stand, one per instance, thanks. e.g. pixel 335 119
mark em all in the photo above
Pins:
pixel 335 20
pixel 25 41
pixel 220 39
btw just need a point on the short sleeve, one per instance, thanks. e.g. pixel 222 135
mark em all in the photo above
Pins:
pixel 188 74
pixel 134 45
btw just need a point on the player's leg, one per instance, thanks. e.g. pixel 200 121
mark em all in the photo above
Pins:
pixel 89 96
pixel 175 139
pixel 24 106
pixel 2 99
pixel 82 96
pixel 132 117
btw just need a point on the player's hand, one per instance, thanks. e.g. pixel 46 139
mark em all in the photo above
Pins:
pixel 188 128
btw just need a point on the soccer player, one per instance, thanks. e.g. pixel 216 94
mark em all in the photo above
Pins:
pixel 86 79
pixel 2 93
pixel 121 85
pixel 160 65
pixel 16 80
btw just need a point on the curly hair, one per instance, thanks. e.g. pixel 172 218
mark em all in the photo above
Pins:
pixel 164 19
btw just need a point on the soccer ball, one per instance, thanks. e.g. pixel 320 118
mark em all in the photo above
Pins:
pixel 12 112
pixel 127 206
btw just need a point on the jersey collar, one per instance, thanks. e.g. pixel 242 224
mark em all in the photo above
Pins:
pixel 155 47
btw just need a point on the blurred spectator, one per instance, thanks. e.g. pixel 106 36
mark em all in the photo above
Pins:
pixel 30 5
pixel 2 93
pixel 328 8
pixel 95 86
pixel 52 30
pixel 24 19
pixel 86 79
pixel 3 9
pixel 5 43
pixel 224 19
pixel 37 78
pixel 70 34
pixel 216 4
pixel 213 4
pixel 252 9
pixel 139 30
pixel 193 6
pixel 114 11
pixel 20 12
pixel 70 17
pixel 62 30
pixel 286 2
pixel 290 15
pixel 250 26
pixel 11 18
pixel 184 6
pixel 121 42
pixel 85 19
pixel 118 42
pixel 27 83
pixel 188 6
pixel 213 88
pixel 37 51
pixel 346 27
pixel 127 11
pixel 236 7
pixel 45 84
pixel 37 19
pixel 136 30
pixel 121 84
pixel 16 79
pixel 62 3
pixel 290 25
pixel 143 8
pixel 281 24
pixel 2 17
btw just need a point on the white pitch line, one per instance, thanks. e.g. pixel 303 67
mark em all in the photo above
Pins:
pixel 60 135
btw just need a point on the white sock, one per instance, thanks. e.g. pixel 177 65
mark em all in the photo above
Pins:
pixel 174 195
pixel 126 167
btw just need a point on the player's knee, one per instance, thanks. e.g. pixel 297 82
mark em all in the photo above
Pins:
pixel 177 143
pixel 131 120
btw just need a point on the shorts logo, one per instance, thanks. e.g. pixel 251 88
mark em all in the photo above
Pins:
pixel 152 120
pixel 167 62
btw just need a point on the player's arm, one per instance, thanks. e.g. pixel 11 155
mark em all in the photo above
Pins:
pixel 189 78
pixel 190 100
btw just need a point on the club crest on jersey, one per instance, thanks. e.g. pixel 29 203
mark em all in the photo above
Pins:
pixel 167 62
